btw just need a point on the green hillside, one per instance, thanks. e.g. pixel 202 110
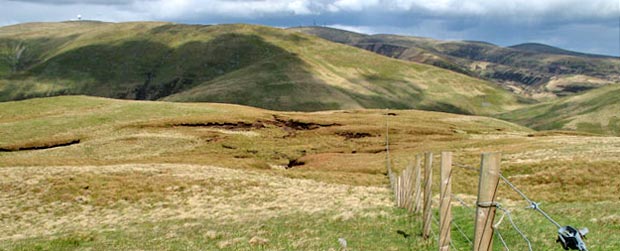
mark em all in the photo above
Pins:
pixel 243 64
pixel 596 111
pixel 103 174
pixel 536 70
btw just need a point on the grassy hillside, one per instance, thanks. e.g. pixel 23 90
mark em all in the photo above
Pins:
pixel 596 111
pixel 85 173
pixel 242 64
pixel 529 69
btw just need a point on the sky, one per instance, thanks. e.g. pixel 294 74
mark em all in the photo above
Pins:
pixel 591 26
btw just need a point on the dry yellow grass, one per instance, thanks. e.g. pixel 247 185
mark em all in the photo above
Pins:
pixel 135 167
pixel 43 201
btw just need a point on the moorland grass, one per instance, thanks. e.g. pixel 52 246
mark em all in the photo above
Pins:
pixel 139 178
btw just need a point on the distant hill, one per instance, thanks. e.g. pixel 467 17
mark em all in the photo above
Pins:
pixel 243 64
pixel 536 70
pixel 595 111
pixel 543 48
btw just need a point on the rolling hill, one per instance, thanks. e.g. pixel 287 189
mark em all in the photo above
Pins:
pixel 91 173
pixel 536 70
pixel 595 111
pixel 242 64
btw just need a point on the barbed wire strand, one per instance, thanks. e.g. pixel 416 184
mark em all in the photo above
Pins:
pixel 462 232
pixel 470 209
pixel 436 237
pixel 462 202
pixel 516 228
pixel 501 238
pixel 532 204
pixel 466 167
pixel 387 140
pixel 388 160
pixel 506 212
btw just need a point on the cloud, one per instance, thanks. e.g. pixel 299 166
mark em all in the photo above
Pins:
pixel 196 9
pixel 514 10
pixel 562 22
pixel 352 5
pixel 65 2
pixel 357 29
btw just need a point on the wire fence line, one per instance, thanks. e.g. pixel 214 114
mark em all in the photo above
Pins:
pixel 462 233
pixel 404 199
pixel 575 236
pixel 437 223
pixel 514 226
pixel 473 211
pixel 501 239
pixel 532 204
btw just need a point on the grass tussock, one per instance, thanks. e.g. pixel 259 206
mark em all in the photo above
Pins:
pixel 144 172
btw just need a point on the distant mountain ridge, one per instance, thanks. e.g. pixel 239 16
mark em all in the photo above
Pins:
pixel 543 48
pixel 251 65
pixel 534 70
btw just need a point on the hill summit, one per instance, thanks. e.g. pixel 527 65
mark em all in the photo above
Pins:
pixel 534 70
pixel 242 64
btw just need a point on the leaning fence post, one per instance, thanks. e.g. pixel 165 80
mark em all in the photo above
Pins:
pixel 417 200
pixel 485 210
pixel 426 218
pixel 445 206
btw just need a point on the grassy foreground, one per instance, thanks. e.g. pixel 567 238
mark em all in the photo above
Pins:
pixel 83 173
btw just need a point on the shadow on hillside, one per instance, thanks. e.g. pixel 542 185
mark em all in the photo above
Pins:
pixel 146 69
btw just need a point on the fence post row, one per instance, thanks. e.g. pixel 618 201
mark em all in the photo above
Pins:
pixel 445 206
pixel 408 195
pixel 485 209
pixel 426 216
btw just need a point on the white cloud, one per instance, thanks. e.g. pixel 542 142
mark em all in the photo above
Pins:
pixel 567 8
pixel 525 10
pixel 498 21
pixel 352 5
pixel 189 9
pixel 357 29
pixel 301 7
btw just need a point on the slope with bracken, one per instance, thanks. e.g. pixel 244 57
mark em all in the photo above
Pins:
pixel 243 64
pixel 536 70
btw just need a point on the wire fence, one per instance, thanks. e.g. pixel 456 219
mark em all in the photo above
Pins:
pixel 405 190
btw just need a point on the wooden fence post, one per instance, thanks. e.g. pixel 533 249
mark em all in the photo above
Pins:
pixel 445 206
pixel 403 187
pixel 426 217
pixel 417 200
pixel 397 189
pixel 485 210
pixel 409 181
